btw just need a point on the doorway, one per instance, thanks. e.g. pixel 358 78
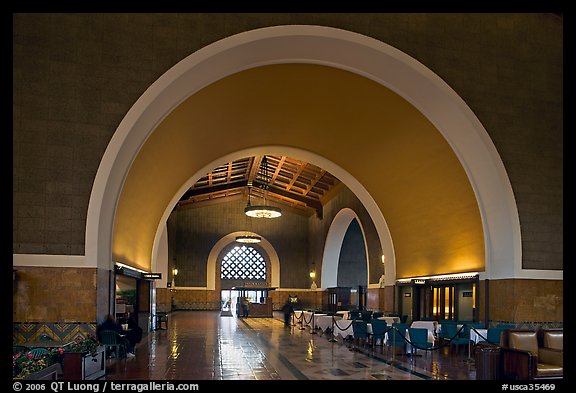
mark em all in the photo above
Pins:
pixel 230 299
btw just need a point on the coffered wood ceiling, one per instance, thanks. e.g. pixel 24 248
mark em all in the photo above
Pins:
pixel 282 180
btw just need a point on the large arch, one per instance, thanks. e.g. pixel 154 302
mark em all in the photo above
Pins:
pixel 341 49
pixel 333 245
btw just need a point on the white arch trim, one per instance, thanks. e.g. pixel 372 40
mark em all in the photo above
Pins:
pixel 231 238
pixel 336 48
pixel 160 258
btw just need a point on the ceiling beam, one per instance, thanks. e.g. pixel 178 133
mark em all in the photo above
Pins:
pixel 207 190
pixel 296 175
pixel 313 203
pixel 256 161
pixel 278 167
pixel 315 181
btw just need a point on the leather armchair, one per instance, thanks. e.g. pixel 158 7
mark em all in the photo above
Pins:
pixel 527 354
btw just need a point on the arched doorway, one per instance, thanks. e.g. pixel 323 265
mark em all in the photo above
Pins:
pixel 353 265
pixel 345 267
pixel 336 234
pixel 228 241
pixel 244 272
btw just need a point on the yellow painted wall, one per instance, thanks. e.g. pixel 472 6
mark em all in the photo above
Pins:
pixel 54 294
pixel 384 142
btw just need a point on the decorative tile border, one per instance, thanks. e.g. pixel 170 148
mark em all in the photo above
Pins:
pixel 529 325
pixel 23 332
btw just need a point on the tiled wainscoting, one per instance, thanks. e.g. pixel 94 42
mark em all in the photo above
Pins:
pixel 23 332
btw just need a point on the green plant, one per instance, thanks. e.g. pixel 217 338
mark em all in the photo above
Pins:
pixel 88 343
pixel 23 363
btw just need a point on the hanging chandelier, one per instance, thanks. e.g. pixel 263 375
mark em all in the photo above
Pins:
pixel 250 239
pixel 262 211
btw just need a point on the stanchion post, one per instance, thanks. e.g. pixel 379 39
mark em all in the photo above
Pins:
pixel 469 360
pixel 393 343
pixel 313 325
pixel 333 338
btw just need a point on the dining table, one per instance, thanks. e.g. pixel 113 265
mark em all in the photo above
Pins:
pixel 324 322
pixel 315 317
pixel 343 327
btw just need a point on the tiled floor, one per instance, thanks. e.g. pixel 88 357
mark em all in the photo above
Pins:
pixel 203 345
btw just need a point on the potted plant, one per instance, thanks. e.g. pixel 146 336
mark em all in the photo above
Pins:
pixel 25 366
pixel 84 359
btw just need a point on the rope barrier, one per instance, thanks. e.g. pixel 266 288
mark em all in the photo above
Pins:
pixel 444 344
pixel 484 338
pixel 304 318
pixel 299 319
pixel 333 336
pixel 346 328
pixel 411 343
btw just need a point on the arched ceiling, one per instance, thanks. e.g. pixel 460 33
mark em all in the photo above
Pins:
pixel 403 162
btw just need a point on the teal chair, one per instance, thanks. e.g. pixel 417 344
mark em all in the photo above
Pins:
pixel 366 316
pixel 377 314
pixel 418 338
pixel 360 330
pixel 397 338
pixel 114 342
pixel 355 315
pixel 494 335
pixel 450 333
pixel 37 353
pixel 379 329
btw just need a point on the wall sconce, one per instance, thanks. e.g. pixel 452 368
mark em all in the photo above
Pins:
pixel 313 276
pixel 174 274
pixel 381 281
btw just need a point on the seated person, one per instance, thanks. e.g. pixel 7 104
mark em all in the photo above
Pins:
pixel 134 333
pixel 111 324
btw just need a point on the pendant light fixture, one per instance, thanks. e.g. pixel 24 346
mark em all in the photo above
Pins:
pixel 249 239
pixel 262 211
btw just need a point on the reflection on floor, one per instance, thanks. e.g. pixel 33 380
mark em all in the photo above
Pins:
pixel 203 345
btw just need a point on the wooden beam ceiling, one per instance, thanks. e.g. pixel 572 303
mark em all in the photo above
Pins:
pixel 284 180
